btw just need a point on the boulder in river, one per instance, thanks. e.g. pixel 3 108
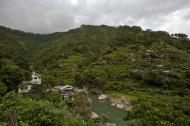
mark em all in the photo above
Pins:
pixel 109 124
pixel 102 97
pixel 120 106
pixel 113 104
pixel 94 115
pixel 122 102
pixel 128 108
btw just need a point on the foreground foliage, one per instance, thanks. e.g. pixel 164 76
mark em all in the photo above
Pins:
pixel 39 113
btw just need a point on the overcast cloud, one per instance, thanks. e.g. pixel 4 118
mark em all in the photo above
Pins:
pixel 46 16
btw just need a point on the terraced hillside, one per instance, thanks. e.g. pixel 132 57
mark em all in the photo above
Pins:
pixel 123 55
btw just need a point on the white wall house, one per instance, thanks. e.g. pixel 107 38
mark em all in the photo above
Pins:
pixel 36 79
pixel 27 86
pixel 25 89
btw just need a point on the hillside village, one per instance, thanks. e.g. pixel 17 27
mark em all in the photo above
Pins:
pixel 36 79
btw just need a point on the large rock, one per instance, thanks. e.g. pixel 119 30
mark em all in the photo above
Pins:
pixel 120 106
pixel 128 108
pixel 109 124
pixel 94 115
pixel 122 102
pixel 113 104
pixel 102 97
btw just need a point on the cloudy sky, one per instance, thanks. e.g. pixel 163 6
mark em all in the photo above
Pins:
pixel 46 16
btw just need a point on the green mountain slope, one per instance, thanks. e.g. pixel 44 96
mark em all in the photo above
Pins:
pixel 112 53
pixel 151 67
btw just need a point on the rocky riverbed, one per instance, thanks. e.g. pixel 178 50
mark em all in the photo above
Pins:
pixel 122 102
pixel 112 107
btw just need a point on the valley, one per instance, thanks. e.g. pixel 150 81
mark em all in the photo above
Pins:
pixel 151 68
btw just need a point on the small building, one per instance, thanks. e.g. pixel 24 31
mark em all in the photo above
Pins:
pixel 26 86
pixel 66 90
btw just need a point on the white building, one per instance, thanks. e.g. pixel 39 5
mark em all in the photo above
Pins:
pixel 26 87
pixel 36 79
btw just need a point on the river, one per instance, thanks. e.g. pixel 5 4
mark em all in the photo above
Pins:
pixel 103 109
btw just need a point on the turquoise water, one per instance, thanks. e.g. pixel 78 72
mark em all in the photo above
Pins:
pixel 102 108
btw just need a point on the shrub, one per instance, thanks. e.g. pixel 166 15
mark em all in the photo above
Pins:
pixel 3 89
pixel 136 75
pixel 153 79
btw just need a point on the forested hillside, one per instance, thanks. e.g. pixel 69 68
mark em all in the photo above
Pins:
pixel 151 67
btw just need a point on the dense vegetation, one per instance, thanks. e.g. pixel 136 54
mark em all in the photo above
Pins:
pixel 48 111
pixel 152 67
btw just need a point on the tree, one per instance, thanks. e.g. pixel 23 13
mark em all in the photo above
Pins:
pixel 81 105
pixel 11 78
pixel 154 79
pixel 89 79
pixel 37 92
pixel 180 35
pixel 3 88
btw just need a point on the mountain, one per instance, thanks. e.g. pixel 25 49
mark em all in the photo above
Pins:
pixel 111 54
pixel 144 64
